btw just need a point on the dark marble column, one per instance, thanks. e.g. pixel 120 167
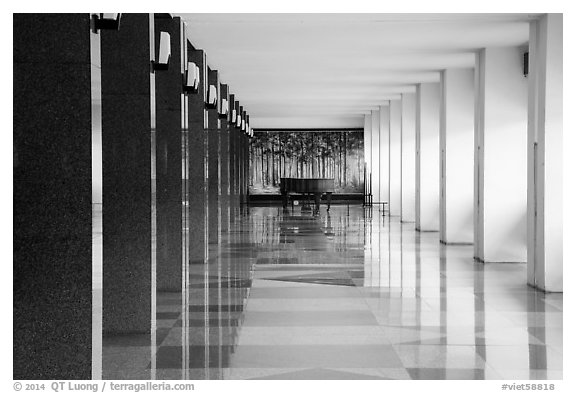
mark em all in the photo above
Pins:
pixel 198 153
pixel 52 261
pixel 214 212
pixel 127 146
pixel 247 165
pixel 247 168
pixel 233 160
pixel 242 163
pixel 240 155
pixel 224 163
pixel 169 157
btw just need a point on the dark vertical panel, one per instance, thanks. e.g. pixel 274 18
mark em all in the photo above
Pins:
pixel 198 178
pixel 245 162
pixel 233 156
pixel 213 166
pixel 52 262
pixel 238 157
pixel 242 157
pixel 197 155
pixel 127 177
pixel 169 160
pixel 224 164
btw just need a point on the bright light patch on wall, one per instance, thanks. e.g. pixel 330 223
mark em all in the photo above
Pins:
pixel 192 78
pixel 212 96
pixel 224 107
pixel 164 52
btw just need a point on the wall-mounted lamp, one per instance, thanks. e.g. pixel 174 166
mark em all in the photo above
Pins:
pixel 233 116
pixel 192 78
pixel 212 101
pixel 223 114
pixel 105 22
pixel 163 53
pixel 243 125
pixel 238 121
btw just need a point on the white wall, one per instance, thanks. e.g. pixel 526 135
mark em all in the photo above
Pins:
pixel 457 156
pixel 428 157
pixel 375 165
pixel 395 177
pixel 384 125
pixel 500 161
pixel 545 142
pixel 408 151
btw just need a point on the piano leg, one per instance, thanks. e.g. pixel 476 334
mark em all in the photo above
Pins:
pixel 328 199
pixel 317 197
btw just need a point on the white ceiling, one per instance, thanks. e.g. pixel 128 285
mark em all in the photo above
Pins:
pixel 328 70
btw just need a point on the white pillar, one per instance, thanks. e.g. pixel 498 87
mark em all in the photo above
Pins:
pixel 395 166
pixel 375 165
pixel 500 156
pixel 457 156
pixel 545 212
pixel 427 157
pixel 408 152
pixel 384 127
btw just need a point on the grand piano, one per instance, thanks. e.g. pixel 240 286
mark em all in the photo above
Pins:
pixel 310 186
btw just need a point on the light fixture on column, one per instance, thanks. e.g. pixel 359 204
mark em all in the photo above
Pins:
pixel 238 120
pixel 223 114
pixel 212 99
pixel 105 21
pixel 233 115
pixel 239 115
pixel 192 78
pixel 163 53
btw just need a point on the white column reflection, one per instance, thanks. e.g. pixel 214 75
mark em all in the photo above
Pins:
pixel 153 199
pixel 97 245
pixel 185 335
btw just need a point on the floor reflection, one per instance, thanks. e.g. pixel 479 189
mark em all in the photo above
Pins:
pixel 344 295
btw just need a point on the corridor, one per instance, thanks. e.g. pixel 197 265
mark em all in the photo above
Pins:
pixel 348 294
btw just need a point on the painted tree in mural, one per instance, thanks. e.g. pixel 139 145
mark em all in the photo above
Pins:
pixel 338 155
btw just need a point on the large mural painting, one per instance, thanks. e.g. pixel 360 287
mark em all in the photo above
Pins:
pixel 307 154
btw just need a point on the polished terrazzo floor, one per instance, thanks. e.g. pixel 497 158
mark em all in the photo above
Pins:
pixel 347 294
